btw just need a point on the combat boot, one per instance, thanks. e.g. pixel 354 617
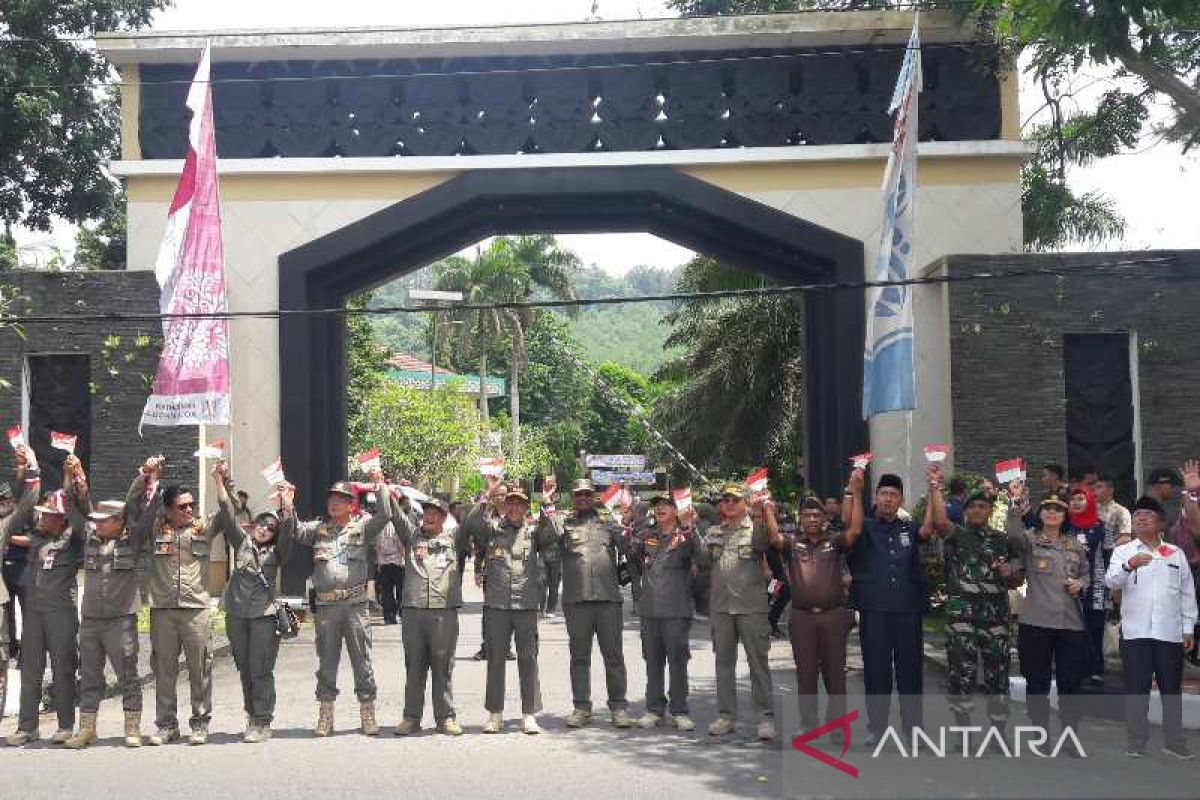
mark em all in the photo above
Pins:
pixel 366 713
pixel 22 738
pixel 133 729
pixel 87 732
pixel 164 736
pixel 324 719
pixel 578 718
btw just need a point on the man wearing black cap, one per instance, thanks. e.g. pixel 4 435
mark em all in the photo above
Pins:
pixel 888 590
pixel 341 548
pixel 513 551
pixel 432 597
pixel 1163 486
pixel 589 546
pixel 1158 617
pixel 661 558
pixel 19 516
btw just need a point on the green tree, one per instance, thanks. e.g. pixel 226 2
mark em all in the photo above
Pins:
pixel 427 437
pixel 610 427
pixel 56 129
pixel 366 366
pixel 102 246
pixel 734 398
pixel 1152 44
pixel 507 271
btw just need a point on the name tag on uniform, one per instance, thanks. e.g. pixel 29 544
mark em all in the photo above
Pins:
pixel 48 558
pixel 1042 565
pixel 652 543
pixel 443 560
pixel 342 557
pixel 165 547
pixel 905 540
pixel 498 552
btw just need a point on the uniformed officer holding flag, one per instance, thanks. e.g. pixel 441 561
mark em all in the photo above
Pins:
pixel 431 599
pixel 341 546
pixel 511 553
pixel 589 546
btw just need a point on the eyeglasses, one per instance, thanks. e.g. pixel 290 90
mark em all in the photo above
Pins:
pixel 184 506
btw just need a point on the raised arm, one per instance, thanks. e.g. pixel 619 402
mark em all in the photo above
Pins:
pixel 1014 525
pixel 297 532
pixel 226 519
pixel 772 537
pixel 78 497
pixel 143 503
pixel 401 522
pixel 29 486
pixel 855 528
pixel 383 509
pixel 937 521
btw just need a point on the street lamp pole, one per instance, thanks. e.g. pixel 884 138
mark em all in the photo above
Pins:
pixel 434 300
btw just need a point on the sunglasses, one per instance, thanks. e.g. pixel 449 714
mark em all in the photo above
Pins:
pixel 184 506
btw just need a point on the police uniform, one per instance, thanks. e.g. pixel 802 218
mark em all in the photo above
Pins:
pixel 662 564
pixel 108 631
pixel 820 622
pixel 589 546
pixel 513 557
pixel 251 621
pixel 180 617
pixel 976 620
pixel 50 621
pixel 10 526
pixel 739 603
pixel 341 569
pixel 888 589
pixel 431 599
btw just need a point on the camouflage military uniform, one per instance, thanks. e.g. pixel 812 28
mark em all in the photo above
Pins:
pixel 977 620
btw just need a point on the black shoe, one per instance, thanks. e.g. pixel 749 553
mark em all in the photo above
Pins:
pixel 1180 751
pixel 510 656
pixel 838 738
pixel 481 655
pixel 872 741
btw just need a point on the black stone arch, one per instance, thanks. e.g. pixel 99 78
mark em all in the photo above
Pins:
pixel 481 203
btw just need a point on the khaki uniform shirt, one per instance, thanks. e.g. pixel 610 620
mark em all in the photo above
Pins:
pixel 589 546
pixel 21 516
pixel 51 572
pixel 736 552
pixel 512 555
pixel 663 565
pixel 250 592
pixel 431 575
pixel 1046 566
pixel 341 555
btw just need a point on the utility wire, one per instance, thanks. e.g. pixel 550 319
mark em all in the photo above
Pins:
pixel 1000 271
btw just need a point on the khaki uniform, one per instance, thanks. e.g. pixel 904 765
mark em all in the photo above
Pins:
pixel 514 583
pixel 108 631
pixel 50 622
pixel 589 546
pixel 739 611
pixel 249 602
pixel 12 524
pixel 663 569
pixel 341 569
pixel 431 598
pixel 180 618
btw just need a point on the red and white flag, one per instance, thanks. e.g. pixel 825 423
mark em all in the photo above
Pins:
pixel 16 437
pixel 369 461
pixel 273 474
pixel 936 453
pixel 63 441
pixel 611 497
pixel 757 480
pixel 861 460
pixel 683 498
pixel 192 383
pixel 1011 470
pixel 215 450
pixel 491 466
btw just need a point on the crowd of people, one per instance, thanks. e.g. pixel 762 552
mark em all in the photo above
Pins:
pixel 741 560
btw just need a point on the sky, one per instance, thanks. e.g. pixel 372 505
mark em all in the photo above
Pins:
pixel 1155 190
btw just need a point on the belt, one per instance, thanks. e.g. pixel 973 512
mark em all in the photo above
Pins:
pixel 815 610
pixel 353 593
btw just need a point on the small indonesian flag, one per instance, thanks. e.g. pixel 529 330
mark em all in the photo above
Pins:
pixel 273 474
pixel 861 460
pixel 215 450
pixel 611 496
pixel 491 466
pixel 369 461
pixel 757 480
pixel 1011 470
pixel 15 437
pixel 683 498
pixel 63 441
pixel 936 453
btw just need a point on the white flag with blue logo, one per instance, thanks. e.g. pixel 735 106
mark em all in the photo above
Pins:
pixel 889 369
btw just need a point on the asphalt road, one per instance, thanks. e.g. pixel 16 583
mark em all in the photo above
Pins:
pixel 595 762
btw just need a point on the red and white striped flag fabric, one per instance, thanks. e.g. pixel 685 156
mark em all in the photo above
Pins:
pixel 936 453
pixel 273 474
pixel 1011 470
pixel 757 480
pixel 861 460
pixel 16 437
pixel 491 466
pixel 63 441
pixel 683 498
pixel 216 450
pixel 370 461
pixel 611 497
pixel 192 383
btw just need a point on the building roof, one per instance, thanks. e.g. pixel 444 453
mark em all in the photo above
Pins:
pixel 407 363
pixel 572 38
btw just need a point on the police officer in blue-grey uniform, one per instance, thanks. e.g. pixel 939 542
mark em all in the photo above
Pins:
pixel 888 590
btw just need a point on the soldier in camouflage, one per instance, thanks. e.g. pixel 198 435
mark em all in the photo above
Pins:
pixel 978 575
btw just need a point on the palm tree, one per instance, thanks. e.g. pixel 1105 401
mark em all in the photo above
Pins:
pixel 508 270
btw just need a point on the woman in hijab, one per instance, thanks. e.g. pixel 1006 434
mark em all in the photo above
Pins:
pixel 1083 522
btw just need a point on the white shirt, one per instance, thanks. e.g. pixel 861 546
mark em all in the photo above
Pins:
pixel 1158 601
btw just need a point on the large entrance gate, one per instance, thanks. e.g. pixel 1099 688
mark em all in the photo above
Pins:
pixel 351 157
